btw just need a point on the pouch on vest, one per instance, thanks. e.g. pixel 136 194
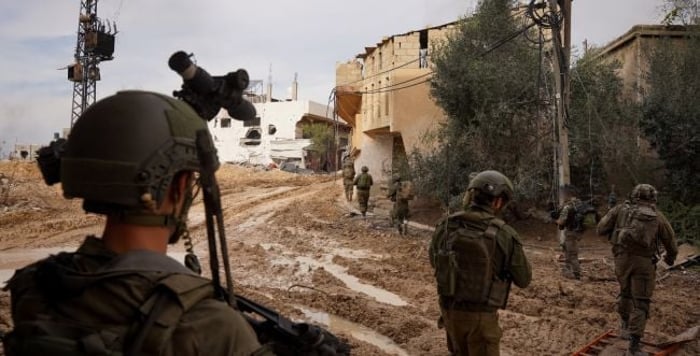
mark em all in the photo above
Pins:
pixel 348 172
pixel 154 321
pixel 465 266
pixel 363 182
pixel 639 227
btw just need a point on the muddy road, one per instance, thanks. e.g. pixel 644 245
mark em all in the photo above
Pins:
pixel 295 245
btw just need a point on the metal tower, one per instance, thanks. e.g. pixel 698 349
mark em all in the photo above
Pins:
pixel 95 44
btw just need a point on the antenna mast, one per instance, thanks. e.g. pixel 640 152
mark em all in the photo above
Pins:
pixel 95 44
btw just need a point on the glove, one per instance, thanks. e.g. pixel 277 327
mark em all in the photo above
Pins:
pixel 670 260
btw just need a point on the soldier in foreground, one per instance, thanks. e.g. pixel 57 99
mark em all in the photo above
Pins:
pixel 476 256
pixel 571 221
pixel 363 182
pixel 348 176
pixel 399 212
pixel 635 229
pixel 132 158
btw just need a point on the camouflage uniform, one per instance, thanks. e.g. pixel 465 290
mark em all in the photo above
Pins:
pixel 635 266
pixel 129 156
pixel 572 268
pixel 399 212
pixel 210 327
pixel 348 175
pixel 363 182
pixel 473 329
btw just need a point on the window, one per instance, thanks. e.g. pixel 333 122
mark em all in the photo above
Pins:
pixel 380 59
pixel 423 51
pixel 253 134
pixel 252 123
pixel 225 122
pixel 271 129
pixel 252 137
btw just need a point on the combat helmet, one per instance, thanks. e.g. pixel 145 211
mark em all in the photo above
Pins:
pixel 124 151
pixel 492 183
pixel 365 169
pixel 644 192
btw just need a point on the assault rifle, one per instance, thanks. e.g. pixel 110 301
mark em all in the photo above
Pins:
pixel 285 336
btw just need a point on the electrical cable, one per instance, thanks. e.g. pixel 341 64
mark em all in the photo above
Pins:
pixel 521 8
pixel 490 49
pixel 602 124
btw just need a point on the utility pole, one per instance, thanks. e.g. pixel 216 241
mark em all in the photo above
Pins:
pixel 562 55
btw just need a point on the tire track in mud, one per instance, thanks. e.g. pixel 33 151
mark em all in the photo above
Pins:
pixel 272 248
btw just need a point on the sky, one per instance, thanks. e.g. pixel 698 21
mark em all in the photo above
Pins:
pixel 306 37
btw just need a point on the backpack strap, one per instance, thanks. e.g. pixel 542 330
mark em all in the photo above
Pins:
pixel 159 316
pixel 495 225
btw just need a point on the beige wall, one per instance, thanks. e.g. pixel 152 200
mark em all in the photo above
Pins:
pixel 407 113
pixel 413 113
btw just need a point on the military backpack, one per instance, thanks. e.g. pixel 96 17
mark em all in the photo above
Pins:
pixel 580 211
pixel 637 227
pixel 348 172
pixel 364 181
pixel 465 265
pixel 51 333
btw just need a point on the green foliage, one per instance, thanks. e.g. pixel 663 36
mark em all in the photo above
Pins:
pixel 671 116
pixel 495 120
pixel 685 219
pixel 684 12
pixel 602 128
pixel 321 136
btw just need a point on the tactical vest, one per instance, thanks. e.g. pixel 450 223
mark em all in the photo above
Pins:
pixel 177 291
pixel 575 221
pixel 465 266
pixel 363 181
pixel 348 172
pixel 636 229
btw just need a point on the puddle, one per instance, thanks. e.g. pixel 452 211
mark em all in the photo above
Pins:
pixel 17 258
pixel 352 282
pixel 339 325
pixel 354 254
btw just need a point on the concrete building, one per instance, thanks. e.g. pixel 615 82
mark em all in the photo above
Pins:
pixel 384 94
pixel 24 152
pixel 632 51
pixel 276 135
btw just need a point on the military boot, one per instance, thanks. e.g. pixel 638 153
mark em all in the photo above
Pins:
pixel 624 330
pixel 635 348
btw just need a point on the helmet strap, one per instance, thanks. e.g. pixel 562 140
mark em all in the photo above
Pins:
pixel 181 229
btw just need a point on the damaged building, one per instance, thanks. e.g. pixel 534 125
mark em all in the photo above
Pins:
pixel 384 94
pixel 277 134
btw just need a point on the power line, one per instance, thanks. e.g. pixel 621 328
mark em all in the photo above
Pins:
pixel 521 10
pixel 602 123
pixel 490 49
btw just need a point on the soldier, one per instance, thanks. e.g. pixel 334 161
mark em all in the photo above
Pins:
pixel 363 182
pixel 635 229
pixel 348 176
pixel 476 257
pixel 399 213
pixel 570 220
pixel 132 158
